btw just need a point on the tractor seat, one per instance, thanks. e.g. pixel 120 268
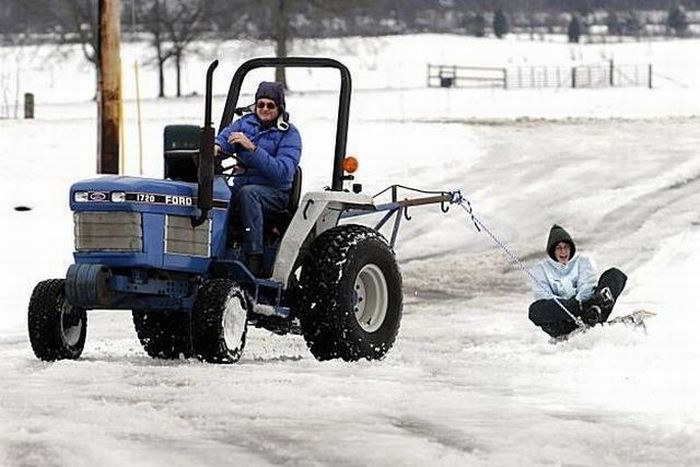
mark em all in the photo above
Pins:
pixel 181 152
pixel 275 224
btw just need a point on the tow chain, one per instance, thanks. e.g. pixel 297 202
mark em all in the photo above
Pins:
pixel 457 198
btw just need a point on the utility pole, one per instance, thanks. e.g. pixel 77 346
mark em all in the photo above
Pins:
pixel 109 92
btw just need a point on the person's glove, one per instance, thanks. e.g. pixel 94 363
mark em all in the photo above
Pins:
pixel 592 315
pixel 574 305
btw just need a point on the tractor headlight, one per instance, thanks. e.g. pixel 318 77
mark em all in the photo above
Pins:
pixel 118 197
pixel 80 196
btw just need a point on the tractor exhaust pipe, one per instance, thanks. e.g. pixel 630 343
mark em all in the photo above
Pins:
pixel 205 172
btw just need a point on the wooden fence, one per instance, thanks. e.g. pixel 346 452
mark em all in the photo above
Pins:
pixel 598 75
pixel 448 76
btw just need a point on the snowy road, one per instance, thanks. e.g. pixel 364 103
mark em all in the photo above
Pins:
pixel 489 394
pixel 469 382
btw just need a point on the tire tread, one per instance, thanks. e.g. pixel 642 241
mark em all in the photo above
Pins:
pixel 326 325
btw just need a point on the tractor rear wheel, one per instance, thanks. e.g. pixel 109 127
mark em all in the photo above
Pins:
pixel 352 298
pixel 220 321
pixel 57 330
pixel 163 333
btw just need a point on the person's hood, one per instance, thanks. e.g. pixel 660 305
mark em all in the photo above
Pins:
pixel 558 234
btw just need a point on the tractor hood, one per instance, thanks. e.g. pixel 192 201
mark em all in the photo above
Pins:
pixel 120 193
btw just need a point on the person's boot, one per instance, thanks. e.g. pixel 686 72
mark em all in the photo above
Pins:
pixel 604 297
pixel 254 263
pixel 605 300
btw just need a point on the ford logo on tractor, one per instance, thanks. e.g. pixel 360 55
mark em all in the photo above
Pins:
pixel 178 200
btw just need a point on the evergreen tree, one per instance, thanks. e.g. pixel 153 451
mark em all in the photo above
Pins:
pixel 477 25
pixel 614 24
pixel 500 23
pixel 574 31
pixel 633 24
pixel 678 19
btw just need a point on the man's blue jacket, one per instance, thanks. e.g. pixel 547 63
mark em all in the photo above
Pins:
pixel 276 155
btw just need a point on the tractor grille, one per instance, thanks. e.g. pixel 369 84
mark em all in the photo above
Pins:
pixel 182 239
pixel 108 231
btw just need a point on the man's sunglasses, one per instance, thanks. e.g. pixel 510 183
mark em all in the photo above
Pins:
pixel 269 105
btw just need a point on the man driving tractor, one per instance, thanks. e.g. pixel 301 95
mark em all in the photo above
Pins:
pixel 270 148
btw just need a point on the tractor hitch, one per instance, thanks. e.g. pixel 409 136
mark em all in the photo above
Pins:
pixel 399 207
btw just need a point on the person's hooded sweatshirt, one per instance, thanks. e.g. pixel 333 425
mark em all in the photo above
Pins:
pixel 575 279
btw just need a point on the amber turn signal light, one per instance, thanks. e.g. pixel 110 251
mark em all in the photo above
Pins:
pixel 350 164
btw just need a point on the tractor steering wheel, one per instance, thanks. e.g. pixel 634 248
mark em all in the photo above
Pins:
pixel 235 169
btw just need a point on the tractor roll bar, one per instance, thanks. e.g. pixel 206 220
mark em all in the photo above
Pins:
pixel 341 135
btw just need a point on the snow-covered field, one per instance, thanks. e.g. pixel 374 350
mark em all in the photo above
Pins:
pixel 470 381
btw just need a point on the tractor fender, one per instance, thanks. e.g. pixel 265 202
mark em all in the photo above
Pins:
pixel 316 209
pixel 87 285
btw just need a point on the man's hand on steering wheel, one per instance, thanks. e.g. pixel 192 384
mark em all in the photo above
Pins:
pixel 237 168
pixel 238 137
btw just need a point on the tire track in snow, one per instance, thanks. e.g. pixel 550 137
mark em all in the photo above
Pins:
pixel 443 435
pixel 634 230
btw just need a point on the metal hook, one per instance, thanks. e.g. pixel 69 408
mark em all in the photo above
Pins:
pixel 444 207
pixel 306 208
pixel 405 213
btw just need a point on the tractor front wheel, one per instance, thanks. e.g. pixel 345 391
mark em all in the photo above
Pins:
pixel 57 330
pixel 220 321
pixel 352 301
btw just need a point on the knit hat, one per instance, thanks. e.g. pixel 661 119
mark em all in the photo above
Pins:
pixel 274 92
pixel 557 234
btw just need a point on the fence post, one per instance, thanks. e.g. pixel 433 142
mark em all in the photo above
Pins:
pixel 559 83
pixel 612 73
pixel 28 105
pixel 573 77
pixel 446 79
pixel 650 74
pixel 505 78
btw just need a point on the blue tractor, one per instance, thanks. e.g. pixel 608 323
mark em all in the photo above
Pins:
pixel 166 250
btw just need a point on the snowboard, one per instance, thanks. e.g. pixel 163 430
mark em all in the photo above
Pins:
pixel 634 319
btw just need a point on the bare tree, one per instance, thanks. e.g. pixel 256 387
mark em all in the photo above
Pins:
pixel 83 19
pixel 152 22
pixel 11 59
pixel 285 29
pixel 184 22
pixel 71 21
pixel 281 37
pixel 174 25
